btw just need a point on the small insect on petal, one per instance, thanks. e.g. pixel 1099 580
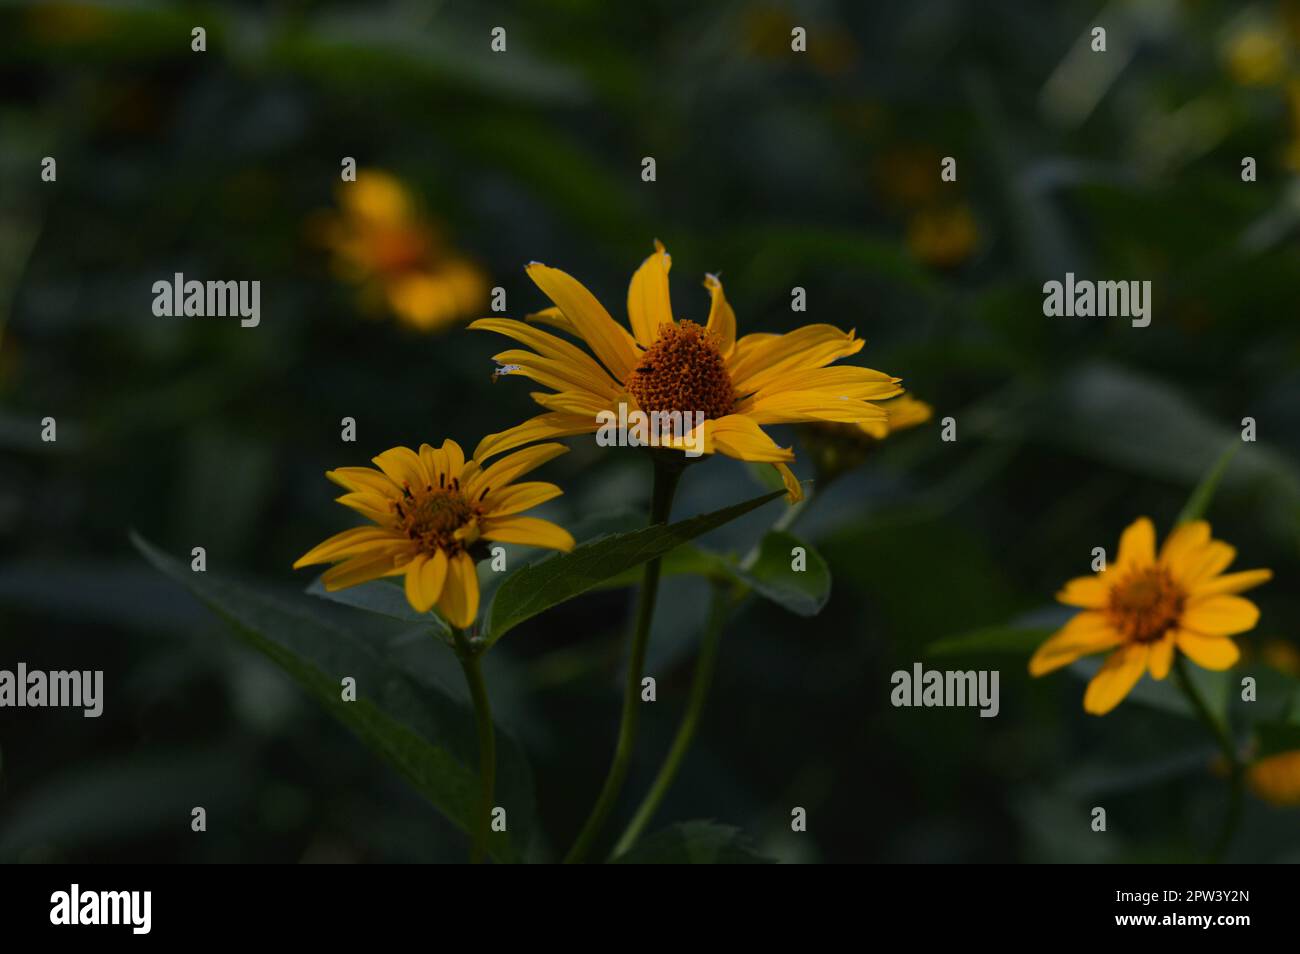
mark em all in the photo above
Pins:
pixel 505 369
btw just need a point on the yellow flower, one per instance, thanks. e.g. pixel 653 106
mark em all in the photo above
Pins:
pixel 1145 606
pixel 667 365
pixel 430 510
pixel 1282 656
pixel 1257 56
pixel 943 237
pixel 901 412
pixel 1276 779
pixel 381 242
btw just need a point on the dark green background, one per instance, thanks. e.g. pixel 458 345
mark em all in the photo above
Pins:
pixel 773 171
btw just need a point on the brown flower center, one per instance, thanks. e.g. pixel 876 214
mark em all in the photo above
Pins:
pixel 431 517
pixel 1145 604
pixel 683 371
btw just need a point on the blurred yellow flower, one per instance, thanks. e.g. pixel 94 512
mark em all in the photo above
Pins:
pixel 836 449
pixel 1145 607
pixel 943 237
pixel 767 35
pixel 1276 779
pixel 907 177
pixel 430 512
pixel 59 22
pixel 668 365
pixel 1281 655
pixel 901 412
pixel 1256 56
pixel 380 241
pixel 1291 154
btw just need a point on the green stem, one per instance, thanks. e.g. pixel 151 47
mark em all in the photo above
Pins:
pixel 1223 738
pixel 469 664
pixel 724 604
pixel 723 600
pixel 667 473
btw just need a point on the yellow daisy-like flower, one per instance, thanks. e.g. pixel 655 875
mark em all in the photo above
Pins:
pixel 1145 607
pixel 836 449
pixel 901 413
pixel 670 365
pixel 1276 779
pixel 381 242
pixel 943 237
pixel 1257 56
pixel 431 510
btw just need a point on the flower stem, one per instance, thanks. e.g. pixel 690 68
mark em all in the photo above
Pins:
pixel 1223 738
pixel 725 602
pixel 667 472
pixel 469 664
pixel 724 599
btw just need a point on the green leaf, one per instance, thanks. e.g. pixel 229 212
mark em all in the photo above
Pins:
pixel 771 575
pixel 424 733
pixel 694 843
pixel 1199 501
pixel 1011 640
pixel 382 597
pixel 1277 737
pixel 562 576
pixel 686 560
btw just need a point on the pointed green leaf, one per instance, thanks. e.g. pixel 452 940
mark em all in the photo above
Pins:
pixel 1199 502
pixel 773 576
pixel 562 576
pixel 382 597
pixel 423 732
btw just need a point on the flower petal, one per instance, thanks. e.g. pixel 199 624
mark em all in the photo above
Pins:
pixel 412 581
pixel 459 599
pixel 365 479
pixel 740 437
pixel 811 346
pixel 1220 615
pixel 615 348
pixel 1231 583
pixel 424 579
pixel 1089 592
pixel 348 543
pixel 1137 544
pixel 1086 633
pixel 648 303
pixel 496 476
pixel 516 498
pixel 1208 652
pixel 549 346
pixel 722 320
pixel 555 319
pixel 866 383
pixel 377 508
pixel 793 489
pixel 1117 676
pixel 528 531
pixel 1213 559
pixel 538 428
pixel 403 467
pixel 553 372
pixel 1186 538
pixel 1162 655
pixel 794 407
pixel 361 569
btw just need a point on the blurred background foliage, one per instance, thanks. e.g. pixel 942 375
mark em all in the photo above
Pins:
pixel 774 169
